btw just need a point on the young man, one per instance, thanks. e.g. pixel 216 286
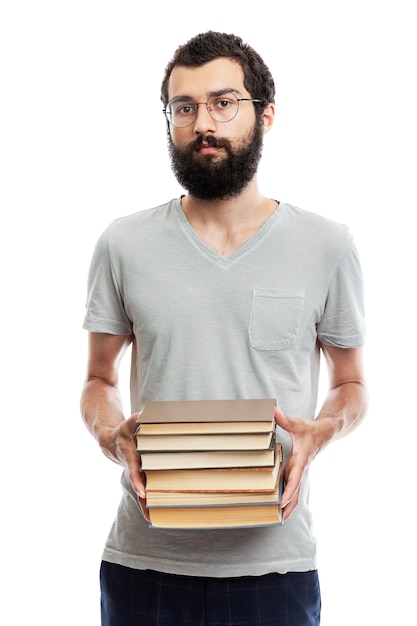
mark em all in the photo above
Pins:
pixel 223 293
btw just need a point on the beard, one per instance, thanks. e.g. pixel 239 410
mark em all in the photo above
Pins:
pixel 214 176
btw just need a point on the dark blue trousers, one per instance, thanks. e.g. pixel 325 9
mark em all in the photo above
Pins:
pixel 131 597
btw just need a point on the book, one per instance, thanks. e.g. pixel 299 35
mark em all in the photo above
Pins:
pixel 233 479
pixel 162 499
pixel 186 442
pixel 207 459
pixel 250 410
pixel 216 517
pixel 206 428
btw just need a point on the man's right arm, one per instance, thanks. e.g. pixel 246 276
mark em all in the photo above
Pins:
pixel 101 405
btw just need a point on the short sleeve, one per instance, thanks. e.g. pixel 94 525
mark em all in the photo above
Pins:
pixel 343 321
pixel 105 311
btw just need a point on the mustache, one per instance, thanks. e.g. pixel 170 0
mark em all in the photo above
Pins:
pixel 209 140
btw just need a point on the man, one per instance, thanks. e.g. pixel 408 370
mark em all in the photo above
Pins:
pixel 222 293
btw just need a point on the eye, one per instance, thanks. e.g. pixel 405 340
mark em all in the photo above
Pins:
pixel 224 102
pixel 186 108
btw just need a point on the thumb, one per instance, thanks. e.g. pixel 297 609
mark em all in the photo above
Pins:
pixel 133 422
pixel 281 419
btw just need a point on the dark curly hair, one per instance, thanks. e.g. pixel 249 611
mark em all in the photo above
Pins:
pixel 211 45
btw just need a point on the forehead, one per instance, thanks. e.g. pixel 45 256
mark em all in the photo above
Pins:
pixel 199 81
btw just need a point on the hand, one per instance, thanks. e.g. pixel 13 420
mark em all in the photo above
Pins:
pixel 120 446
pixel 304 449
pixel 136 476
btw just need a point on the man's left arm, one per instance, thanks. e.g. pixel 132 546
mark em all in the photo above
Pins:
pixel 342 411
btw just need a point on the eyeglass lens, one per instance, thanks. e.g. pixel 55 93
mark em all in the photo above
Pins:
pixel 183 111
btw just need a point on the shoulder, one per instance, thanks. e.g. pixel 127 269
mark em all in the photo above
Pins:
pixel 139 228
pixel 307 221
pixel 145 218
pixel 310 229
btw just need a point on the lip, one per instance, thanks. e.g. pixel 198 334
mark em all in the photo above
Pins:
pixel 206 149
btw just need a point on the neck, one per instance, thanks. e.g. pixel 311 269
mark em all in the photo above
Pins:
pixel 226 225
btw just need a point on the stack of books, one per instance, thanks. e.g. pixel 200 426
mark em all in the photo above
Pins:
pixel 211 463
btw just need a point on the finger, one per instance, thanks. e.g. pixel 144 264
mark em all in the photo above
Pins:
pixel 133 422
pixel 290 496
pixel 287 496
pixel 145 511
pixel 280 419
pixel 292 485
pixel 289 509
pixel 137 478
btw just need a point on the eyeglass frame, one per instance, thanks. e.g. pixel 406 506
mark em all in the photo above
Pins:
pixel 216 93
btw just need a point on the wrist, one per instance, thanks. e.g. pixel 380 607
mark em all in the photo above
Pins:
pixel 327 429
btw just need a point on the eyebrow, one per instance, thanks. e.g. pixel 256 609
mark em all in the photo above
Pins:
pixel 218 92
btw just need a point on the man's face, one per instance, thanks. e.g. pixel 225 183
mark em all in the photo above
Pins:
pixel 214 160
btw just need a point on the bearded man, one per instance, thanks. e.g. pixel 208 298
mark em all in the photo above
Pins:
pixel 223 293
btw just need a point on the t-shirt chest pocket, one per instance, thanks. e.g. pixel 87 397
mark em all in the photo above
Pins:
pixel 275 318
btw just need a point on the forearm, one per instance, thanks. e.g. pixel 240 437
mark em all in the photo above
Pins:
pixel 343 410
pixel 101 410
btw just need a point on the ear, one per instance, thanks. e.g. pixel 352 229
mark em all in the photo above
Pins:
pixel 268 117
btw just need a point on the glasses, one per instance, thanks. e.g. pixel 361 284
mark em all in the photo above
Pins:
pixel 222 107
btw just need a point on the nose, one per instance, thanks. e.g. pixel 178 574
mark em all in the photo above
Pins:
pixel 203 122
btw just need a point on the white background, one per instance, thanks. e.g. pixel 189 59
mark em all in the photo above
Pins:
pixel 83 142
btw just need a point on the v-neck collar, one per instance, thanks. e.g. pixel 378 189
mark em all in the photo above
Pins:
pixel 205 250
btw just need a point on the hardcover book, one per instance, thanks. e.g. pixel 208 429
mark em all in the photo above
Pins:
pixel 183 443
pixel 212 459
pixel 251 410
pixel 216 517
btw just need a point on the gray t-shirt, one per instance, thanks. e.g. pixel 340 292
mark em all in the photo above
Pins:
pixel 213 327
